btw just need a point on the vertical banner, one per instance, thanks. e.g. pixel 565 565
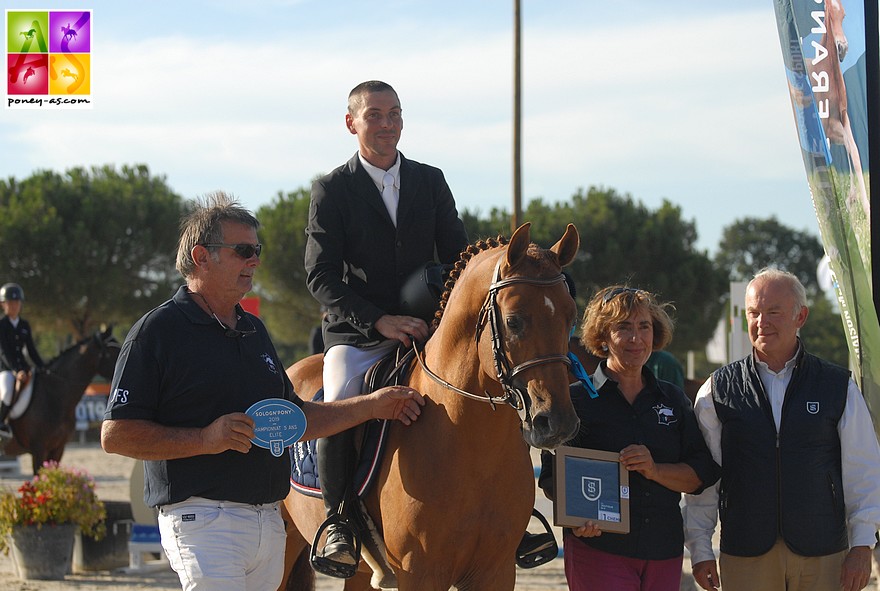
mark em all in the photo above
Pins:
pixel 825 52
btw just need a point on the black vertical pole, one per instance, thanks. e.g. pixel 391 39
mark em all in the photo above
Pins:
pixel 872 65
pixel 517 134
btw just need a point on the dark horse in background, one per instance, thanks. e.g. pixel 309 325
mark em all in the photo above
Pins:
pixel 49 420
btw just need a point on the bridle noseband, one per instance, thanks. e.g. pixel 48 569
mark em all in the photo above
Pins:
pixel 490 314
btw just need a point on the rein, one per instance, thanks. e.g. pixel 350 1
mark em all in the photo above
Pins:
pixel 513 395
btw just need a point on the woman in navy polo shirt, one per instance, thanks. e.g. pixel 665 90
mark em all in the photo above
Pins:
pixel 652 425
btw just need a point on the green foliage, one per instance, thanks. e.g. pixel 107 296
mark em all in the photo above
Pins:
pixel 823 334
pixel 622 242
pixel 99 246
pixel 54 496
pixel 290 310
pixel 89 247
pixel 750 244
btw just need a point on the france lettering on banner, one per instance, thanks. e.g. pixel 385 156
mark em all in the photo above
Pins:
pixel 824 49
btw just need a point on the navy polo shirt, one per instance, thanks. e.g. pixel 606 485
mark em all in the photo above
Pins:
pixel 179 368
pixel 662 419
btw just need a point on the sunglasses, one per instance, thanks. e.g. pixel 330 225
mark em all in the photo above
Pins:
pixel 245 250
pixel 617 291
pixel 234 333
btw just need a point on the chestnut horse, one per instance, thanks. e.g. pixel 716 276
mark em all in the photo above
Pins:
pixel 829 90
pixel 456 489
pixel 48 423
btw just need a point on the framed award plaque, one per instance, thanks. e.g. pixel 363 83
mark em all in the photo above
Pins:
pixel 591 485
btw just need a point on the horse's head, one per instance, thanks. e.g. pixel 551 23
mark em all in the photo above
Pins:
pixel 109 349
pixel 834 14
pixel 522 335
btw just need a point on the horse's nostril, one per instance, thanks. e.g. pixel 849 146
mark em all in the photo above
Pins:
pixel 541 424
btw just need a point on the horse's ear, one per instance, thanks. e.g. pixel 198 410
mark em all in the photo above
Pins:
pixel 519 244
pixel 567 247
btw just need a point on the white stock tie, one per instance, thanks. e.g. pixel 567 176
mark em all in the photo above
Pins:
pixel 389 196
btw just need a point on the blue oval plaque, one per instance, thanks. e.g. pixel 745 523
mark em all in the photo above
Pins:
pixel 278 423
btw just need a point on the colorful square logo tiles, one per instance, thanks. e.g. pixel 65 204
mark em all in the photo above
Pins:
pixel 48 58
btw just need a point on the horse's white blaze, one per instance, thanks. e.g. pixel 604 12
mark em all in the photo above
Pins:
pixel 549 303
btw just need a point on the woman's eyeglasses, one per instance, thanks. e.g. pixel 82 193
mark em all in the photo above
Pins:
pixel 245 250
pixel 617 291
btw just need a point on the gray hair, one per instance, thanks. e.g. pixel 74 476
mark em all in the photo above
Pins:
pixel 204 225
pixel 794 284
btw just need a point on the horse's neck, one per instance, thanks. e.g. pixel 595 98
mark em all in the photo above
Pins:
pixel 458 364
pixel 74 367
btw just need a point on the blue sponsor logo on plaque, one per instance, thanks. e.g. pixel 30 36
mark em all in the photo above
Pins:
pixel 278 423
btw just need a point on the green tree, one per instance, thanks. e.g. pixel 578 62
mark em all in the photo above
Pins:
pixel 290 311
pixel 623 242
pixel 89 247
pixel 750 244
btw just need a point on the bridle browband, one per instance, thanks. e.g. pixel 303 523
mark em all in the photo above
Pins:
pixel 489 313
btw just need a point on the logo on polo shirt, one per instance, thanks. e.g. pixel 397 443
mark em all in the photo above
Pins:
pixel 813 408
pixel 665 415
pixel 269 362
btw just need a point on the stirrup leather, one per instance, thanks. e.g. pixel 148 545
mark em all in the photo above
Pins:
pixel 330 567
pixel 537 549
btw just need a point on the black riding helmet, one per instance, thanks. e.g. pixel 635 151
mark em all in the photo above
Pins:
pixel 11 291
pixel 420 294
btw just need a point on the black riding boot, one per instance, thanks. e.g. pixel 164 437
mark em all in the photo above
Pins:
pixel 335 465
pixel 5 429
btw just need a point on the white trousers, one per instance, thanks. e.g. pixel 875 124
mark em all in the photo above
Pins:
pixel 224 546
pixel 7 386
pixel 345 367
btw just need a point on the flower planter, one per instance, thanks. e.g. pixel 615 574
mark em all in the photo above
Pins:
pixel 42 552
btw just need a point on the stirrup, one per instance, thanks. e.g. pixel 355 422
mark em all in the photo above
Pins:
pixel 537 549
pixel 329 567
pixel 5 432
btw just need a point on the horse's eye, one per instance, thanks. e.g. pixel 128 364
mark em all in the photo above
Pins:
pixel 514 323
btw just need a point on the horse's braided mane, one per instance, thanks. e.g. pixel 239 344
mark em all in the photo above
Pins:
pixel 466 255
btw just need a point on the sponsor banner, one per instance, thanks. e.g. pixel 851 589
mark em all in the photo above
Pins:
pixel 824 50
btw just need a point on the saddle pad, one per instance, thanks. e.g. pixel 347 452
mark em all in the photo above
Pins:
pixel 304 476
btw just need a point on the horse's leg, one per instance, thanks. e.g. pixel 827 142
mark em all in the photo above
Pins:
pixel 298 573
pixel 300 576
pixel 359 582
pixel 492 575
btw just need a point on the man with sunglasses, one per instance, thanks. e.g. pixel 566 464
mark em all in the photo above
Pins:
pixel 187 372
pixel 372 222
pixel 799 497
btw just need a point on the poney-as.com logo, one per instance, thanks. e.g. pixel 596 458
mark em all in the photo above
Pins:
pixel 48 59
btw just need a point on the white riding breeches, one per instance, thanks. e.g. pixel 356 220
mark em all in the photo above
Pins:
pixel 345 367
pixel 7 386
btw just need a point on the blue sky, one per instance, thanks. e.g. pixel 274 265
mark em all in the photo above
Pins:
pixel 685 101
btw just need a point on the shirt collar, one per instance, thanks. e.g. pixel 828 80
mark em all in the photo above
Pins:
pixel 600 378
pixel 377 174
pixel 787 368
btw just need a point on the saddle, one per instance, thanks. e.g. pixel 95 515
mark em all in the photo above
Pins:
pixel 390 370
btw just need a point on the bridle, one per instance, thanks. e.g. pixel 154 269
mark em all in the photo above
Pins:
pixel 490 314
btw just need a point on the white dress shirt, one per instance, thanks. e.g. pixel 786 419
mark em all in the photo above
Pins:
pixel 859 450
pixel 378 175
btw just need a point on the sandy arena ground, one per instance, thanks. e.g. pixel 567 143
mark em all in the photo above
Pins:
pixel 112 472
